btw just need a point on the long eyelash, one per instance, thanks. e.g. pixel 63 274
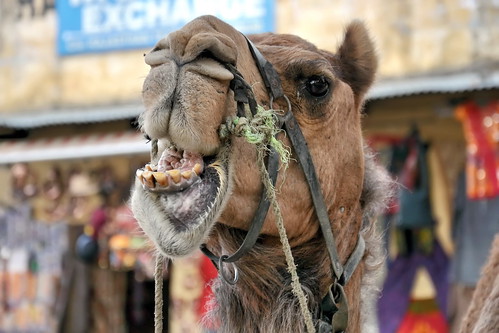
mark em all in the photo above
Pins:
pixel 148 138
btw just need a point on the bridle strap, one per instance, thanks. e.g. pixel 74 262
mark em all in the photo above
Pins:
pixel 269 75
pixel 243 94
pixel 295 135
pixel 257 222
pixel 273 84
pixel 334 308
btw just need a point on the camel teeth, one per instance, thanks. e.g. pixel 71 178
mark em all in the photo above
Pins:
pixel 175 174
pixel 198 169
pixel 161 178
pixel 187 174
pixel 148 177
pixel 149 167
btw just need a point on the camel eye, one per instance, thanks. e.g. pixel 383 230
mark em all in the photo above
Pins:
pixel 317 86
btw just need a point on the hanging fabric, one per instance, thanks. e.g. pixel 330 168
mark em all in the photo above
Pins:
pixel 417 248
pixel 395 300
pixel 414 196
pixel 481 131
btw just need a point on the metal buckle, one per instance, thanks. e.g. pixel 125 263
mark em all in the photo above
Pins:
pixel 282 116
pixel 340 317
pixel 230 280
pixel 334 310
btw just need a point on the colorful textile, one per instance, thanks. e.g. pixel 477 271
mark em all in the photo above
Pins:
pixel 414 196
pixel 474 224
pixel 395 297
pixel 31 256
pixel 481 131
pixel 423 316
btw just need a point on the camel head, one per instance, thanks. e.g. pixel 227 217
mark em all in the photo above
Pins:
pixel 196 180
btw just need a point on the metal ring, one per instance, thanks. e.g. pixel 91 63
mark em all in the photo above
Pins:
pixel 231 281
pixel 271 102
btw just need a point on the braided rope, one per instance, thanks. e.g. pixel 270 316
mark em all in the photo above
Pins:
pixel 158 294
pixel 261 131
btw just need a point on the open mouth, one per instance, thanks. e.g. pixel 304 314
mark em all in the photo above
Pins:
pixel 175 171
pixel 189 187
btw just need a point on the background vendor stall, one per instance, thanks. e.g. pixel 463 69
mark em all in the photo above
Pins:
pixel 72 259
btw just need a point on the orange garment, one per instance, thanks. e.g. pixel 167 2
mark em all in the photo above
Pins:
pixel 423 316
pixel 481 131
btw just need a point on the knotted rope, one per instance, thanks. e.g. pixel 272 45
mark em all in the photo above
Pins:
pixel 261 130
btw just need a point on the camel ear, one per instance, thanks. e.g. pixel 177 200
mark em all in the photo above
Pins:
pixel 357 57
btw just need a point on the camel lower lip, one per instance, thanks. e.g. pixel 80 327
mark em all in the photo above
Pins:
pixel 188 202
pixel 184 208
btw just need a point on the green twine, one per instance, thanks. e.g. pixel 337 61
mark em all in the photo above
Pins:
pixel 260 130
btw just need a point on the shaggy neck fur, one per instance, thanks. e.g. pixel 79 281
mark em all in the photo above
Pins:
pixel 262 300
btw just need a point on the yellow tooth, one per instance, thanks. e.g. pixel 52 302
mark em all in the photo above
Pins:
pixel 161 178
pixel 149 167
pixel 187 174
pixel 175 174
pixel 197 169
pixel 148 178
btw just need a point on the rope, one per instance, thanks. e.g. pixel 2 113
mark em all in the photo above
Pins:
pixel 158 294
pixel 261 131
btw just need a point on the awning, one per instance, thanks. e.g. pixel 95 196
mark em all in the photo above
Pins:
pixel 33 119
pixel 73 147
pixel 434 84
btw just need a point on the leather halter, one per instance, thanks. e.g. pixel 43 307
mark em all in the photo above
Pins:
pixel 334 308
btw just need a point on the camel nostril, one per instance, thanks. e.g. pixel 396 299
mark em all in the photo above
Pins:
pixel 210 45
pixel 158 55
pixel 207 54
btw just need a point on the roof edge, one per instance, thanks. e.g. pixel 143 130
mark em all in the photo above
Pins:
pixel 434 84
pixel 32 119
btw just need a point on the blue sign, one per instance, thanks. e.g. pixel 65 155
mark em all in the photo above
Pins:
pixel 87 26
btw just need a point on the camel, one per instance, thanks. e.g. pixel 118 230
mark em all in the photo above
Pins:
pixel 202 189
pixel 483 313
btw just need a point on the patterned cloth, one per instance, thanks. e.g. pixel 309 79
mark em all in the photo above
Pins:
pixel 395 298
pixel 423 316
pixel 481 130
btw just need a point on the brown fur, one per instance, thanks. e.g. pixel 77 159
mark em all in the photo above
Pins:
pixel 483 313
pixel 187 97
pixel 262 300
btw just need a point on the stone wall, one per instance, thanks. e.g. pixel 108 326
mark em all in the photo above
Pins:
pixel 34 77
pixel 413 36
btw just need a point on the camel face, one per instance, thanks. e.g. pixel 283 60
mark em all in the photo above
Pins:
pixel 195 179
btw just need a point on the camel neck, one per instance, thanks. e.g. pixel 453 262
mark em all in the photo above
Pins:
pixel 262 300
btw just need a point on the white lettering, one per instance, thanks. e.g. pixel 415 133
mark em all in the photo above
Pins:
pixel 203 7
pixel 132 17
pixel 77 3
pixel 155 13
pixel 112 18
pixel 182 12
pixel 99 16
pixel 90 19
pixel 254 8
